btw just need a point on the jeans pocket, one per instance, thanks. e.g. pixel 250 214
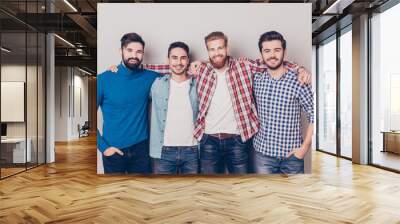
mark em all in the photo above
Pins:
pixel 115 155
pixel 194 148
pixel 238 140
pixel 113 159
pixel 191 153
pixel 208 152
pixel 164 152
pixel 204 139
pixel 294 157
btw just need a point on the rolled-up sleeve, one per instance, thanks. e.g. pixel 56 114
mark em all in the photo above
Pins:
pixel 306 100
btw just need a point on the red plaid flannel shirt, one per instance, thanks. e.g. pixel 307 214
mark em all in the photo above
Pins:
pixel 240 85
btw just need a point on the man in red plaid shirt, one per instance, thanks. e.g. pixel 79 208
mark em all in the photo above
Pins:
pixel 227 114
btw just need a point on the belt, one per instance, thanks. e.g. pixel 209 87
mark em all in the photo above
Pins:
pixel 222 135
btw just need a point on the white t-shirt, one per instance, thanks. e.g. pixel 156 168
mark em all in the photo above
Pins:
pixel 220 117
pixel 179 125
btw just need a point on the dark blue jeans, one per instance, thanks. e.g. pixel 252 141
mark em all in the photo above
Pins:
pixel 216 155
pixel 264 164
pixel 177 160
pixel 136 159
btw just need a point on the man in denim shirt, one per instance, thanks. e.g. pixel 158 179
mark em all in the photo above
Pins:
pixel 173 115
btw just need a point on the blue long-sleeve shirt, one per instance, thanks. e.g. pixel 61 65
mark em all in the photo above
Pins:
pixel 123 99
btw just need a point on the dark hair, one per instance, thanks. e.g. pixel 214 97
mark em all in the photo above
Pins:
pixel 215 36
pixel 269 36
pixel 131 37
pixel 178 44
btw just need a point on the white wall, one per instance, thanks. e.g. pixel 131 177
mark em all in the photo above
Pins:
pixel 161 24
pixel 61 103
pixel 13 72
pixel 80 89
pixel 67 117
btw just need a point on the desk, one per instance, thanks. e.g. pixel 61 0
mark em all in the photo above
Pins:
pixel 16 147
pixel 391 141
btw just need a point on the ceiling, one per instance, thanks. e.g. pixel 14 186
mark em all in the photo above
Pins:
pixel 76 20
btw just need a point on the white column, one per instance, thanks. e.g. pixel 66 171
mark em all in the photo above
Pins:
pixel 50 92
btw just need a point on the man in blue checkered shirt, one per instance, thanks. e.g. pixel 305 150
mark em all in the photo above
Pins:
pixel 279 146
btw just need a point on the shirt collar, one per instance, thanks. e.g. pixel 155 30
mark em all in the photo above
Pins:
pixel 281 78
pixel 167 78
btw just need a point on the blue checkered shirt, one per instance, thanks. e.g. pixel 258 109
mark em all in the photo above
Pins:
pixel 279 103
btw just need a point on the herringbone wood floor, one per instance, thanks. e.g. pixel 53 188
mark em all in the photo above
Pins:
pixel 69 191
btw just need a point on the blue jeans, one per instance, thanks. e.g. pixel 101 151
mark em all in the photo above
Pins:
pixel 177 160
pixel 136 159
pixel 264 164
pixel 216 154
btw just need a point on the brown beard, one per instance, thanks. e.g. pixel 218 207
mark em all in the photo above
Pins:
pixel 131 65
pixel 218 66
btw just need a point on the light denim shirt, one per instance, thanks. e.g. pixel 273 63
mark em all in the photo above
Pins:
pixel 159 106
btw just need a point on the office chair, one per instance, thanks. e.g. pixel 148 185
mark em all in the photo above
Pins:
pixel 84 130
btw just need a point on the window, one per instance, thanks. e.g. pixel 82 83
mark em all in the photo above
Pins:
pixel 327 96
pixel 22 65
pixel 385 89
pixel 346 93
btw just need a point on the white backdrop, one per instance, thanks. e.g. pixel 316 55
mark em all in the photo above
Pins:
pixel 161 24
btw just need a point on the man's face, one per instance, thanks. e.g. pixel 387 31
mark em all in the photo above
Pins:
pixel 132 55
pixel 178 61
pixel 272 53
pixel 217 52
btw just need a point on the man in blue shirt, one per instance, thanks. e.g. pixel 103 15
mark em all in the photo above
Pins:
pixel 280 98
pixel 124 99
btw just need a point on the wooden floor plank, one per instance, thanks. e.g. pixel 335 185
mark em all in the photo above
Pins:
pixel 70 191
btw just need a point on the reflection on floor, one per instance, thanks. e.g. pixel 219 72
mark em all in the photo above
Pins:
pixel 346 152
pixel 386 159
pixel 10 169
